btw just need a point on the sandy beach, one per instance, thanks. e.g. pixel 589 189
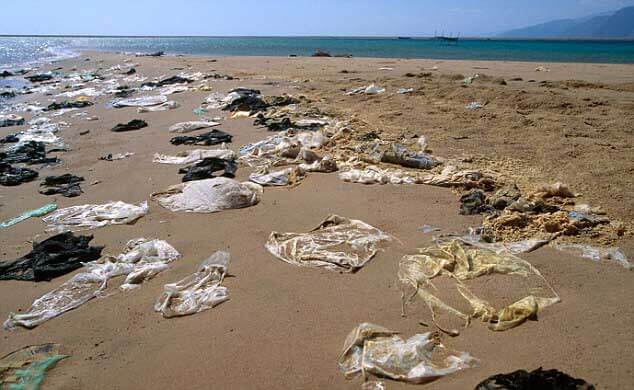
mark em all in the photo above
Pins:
pixel 284 326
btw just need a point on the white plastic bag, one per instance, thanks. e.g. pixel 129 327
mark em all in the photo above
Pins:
pixel 186 127
pixel 91 216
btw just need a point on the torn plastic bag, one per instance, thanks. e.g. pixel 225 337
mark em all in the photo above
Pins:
pixel 197 292
pixel 209 196
pixel 284 177
pixel 65 105
pixel 186 127
pixel 173 89
pixel 449 177
pixel 539 379
pixel 214 137
pixel 401 156
pixel 194 156
pixel 134 124
pixel 474 106
pixel 141 260
pixel 39 77
pixel 91 216
pixel 168 81
pixel 206 168
pixel 337 244
pixel 11 120
pixel 66 185
pixel 143 101
pixel 30 152
pixel 25 369
pixel 116 156
pixel 368 90
pixel 53 257
pixel 39 212
pixel 596 253
pixel 170 105
pixel 375 350
pixel 324 165
pixel 460 263
pixel 14 176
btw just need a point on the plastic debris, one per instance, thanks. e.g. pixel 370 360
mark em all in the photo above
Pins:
pixel 401 156
pixel 206 168
pixel 474 106
pixel 539 379
pixel 194 156
pixel 25 369
pixel 39 212
pixel 337 244
pixel 39 77
pixel 403 91
pixel 542 69
pixel 460 263
pixel 30 152
pixel 449 177
pixel 117 156
pixel 67 105
pixel 144 101
pixel 141 260
pixel 213 137
pixel 470 79
pixel 596 253
pixel 368 90
pixel 53 257
pixel 284 177
pixel 134 124
pixel 197 292
pixel 186 127
pixel 11 120
pixel 169 105
pixel 13 176
pixel 209 196
pixel 173 89
pixel 375 350
pixel 91 216
pixel 168 81
pixel 66 185
pixel 551 190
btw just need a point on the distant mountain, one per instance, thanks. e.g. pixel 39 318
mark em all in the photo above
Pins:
pixel 619 24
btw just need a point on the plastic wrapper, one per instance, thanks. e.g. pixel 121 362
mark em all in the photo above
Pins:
pixel 91 216
pixel 197 292
pixel 169 105
pixel 186 127
pixel 143 101
pixel 597 253
pixel 194 156
pixel 25 369
pixel 337 244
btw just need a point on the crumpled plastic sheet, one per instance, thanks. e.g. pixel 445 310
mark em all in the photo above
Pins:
pixel 172 89
pixel 39 212
pixel 209 196
pixel 597 253
pixel 186 127
pixel 449 177
pixel 170 105
pixel 25 368
pixel 460 263
pixel 368 90
pixel 538 379
pixel 11 120
pixel 90 91
pixel 374 350
pixel 194 156
pixel 143 101
pixel 91 216
pixel 284 177
pixel 337 244
pixel 141 260
pixel 197 292
pixel 280 148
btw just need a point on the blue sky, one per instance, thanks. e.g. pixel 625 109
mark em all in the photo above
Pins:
pixel 296 17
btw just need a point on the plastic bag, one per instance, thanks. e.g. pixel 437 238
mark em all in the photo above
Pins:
pixel 91 216
pixel 170 105
pixel 194 156
pixel 197 292
pixel 39 212
pixel 143 101
pixel 25 369
pixel 186 127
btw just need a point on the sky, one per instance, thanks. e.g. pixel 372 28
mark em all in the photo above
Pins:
pixel 291 17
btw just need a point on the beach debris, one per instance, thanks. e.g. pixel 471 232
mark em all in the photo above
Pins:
pixel 553 190
pixel 169 105
pixel 273 124
pixel 25 369
pixel 116 156
pixel 213 137
pixel 134 124
pixel 542 69
pixel 400 155
pixel 143 101
pixel 473 203
pixel 470 79
pixel 29 152
pixel 39 212
pixel 152 54
pixel 459 262
pixel 321 53
pixel 371 89
pixel 199 111
pixel 537 379
pixel 51 258
pixel 338 244
pixel 209 196
pixel 284 177
pixel 91 216
pixel 596 253
pixel 66 185
pixel 90 92
pixel 197 292
pixel 186 127
pixel 39 77
pixel 450 176
pixel 11 120
pixel 205 169
pixel 172 89
pixel 68 105
pixel 167 81
pixel 14 176
pixel 375 350
pixel 194 156
pixel 141 260
pixel 403 91
pixel 474 106
pixel 386 68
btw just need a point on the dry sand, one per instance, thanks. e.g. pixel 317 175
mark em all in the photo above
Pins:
pixel 283 326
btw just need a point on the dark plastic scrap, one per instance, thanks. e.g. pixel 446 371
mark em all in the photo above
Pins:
pixel 538 379
pixel 473 203
pixel 66 185
pixel 13 176
pixel 134 124
pixel 213 137
pixel 68 104
pixel 205 169
pixel 30 152
pixel 53 257
pixel 167 81
pixel 401 156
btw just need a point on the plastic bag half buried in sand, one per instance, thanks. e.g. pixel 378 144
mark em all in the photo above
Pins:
pixel 374 350
pixel 25 369
pixel 140 261
pixel 209 196
pixel 460 263
pixel 194 156
pixel 186 127
pixel 197 292
pixel 338 244
pixel 143 101
pixel 91 216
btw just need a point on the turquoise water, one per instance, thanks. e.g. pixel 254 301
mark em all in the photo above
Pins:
pixel 21 50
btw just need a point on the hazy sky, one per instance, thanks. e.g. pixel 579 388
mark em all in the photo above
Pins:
pixel 291 17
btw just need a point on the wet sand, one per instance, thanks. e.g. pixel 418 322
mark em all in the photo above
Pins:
pixel 284 327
